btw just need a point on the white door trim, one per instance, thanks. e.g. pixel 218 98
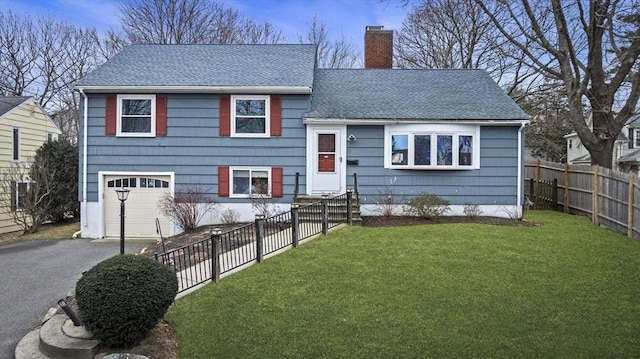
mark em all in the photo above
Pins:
pixel 101 186
pixel 341 162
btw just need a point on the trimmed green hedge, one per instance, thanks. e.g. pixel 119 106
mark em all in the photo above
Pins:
pixel 122 298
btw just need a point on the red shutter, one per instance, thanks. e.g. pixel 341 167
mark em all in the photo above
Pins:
pixel 111 112
pixel 276 182
pixel 225 115
pixel 276 116
pixel 223 181
pixel 161 115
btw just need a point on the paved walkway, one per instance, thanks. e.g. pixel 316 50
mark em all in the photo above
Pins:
pixel 35 275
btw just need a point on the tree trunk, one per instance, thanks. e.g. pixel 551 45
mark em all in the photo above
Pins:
pixel 602 154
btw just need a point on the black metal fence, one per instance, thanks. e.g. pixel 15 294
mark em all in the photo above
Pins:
pixel 225 252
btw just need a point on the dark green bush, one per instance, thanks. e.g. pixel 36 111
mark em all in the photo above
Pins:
pixel 122 298
pixel 60 160
pixel 427 205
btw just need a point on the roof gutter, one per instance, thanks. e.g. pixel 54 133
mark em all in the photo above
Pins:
pixel 381 122
pixel 520 170
pixel 277 90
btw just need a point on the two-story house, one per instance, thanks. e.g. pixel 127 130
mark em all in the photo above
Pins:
pixel 242 120
pixel 626 149
pixel 24 127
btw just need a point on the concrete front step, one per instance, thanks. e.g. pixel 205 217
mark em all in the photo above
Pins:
pixel 29 346
pixel 51 341
pixel 55 343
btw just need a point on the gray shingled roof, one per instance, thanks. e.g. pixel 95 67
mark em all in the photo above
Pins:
pixel 371 94
pixel 630 157
pixel 582 159
pixel 206 65
pixel 9 103
pixel 634 121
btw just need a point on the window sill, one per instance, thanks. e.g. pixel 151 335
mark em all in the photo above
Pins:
pixel 255 196
pixel 434 168
pixel 246 135
pixel 146 135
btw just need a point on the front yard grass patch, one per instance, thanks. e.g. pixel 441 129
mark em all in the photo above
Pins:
pixel 47 231
pixel 565 289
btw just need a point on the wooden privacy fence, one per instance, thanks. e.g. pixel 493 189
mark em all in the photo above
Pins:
pixel 543 194
pixel 610 198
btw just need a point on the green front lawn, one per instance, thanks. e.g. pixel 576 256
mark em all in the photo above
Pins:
pixel 49 231
pixel 565 289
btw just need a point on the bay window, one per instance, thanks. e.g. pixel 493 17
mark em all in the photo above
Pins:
pixel 432 147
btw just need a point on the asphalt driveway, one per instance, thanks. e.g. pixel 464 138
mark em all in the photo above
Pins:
pixel 34 275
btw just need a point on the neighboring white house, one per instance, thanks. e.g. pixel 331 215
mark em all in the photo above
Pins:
pixel 626 149
pixel 24 127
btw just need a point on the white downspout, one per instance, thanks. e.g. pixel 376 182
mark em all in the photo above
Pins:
pixel 85 115
pixel 520 174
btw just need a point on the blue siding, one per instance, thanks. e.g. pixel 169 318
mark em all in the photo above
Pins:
pixel 495 183
pixel 193 148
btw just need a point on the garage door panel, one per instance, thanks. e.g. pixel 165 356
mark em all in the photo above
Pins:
pixel 141 207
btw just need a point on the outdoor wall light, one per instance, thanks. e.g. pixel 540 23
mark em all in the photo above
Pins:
pixel 123 194
pixel 351 138
pixel 69 312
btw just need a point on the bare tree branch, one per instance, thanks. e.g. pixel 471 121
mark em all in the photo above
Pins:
pixel 25 189
pixel 459 34
pixel 597 71
pixel 191 22
pixel 340 53
pixel 43 58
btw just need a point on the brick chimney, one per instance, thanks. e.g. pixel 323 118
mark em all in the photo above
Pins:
pixel 378 48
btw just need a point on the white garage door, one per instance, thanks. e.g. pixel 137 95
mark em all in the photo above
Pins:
pixel 141 207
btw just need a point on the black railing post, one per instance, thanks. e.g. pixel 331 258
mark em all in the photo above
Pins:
pixel 349 206
pixel 295 236
pixel 325 213
pixel 296 188
pixel 355 186
pixel 259 237
pixel 215 260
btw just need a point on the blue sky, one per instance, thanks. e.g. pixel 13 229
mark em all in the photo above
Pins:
pixel 348 17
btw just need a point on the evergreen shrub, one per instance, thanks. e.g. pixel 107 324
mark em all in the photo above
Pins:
pixel 122 298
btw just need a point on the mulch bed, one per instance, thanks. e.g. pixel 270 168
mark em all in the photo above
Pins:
pixel 398 221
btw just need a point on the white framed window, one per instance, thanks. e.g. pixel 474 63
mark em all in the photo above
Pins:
pixel 426 147
pixel 19 191
pixel 15 144
pixel 248 182
pixel 136 115
pixel 636 138
pixel 250 116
